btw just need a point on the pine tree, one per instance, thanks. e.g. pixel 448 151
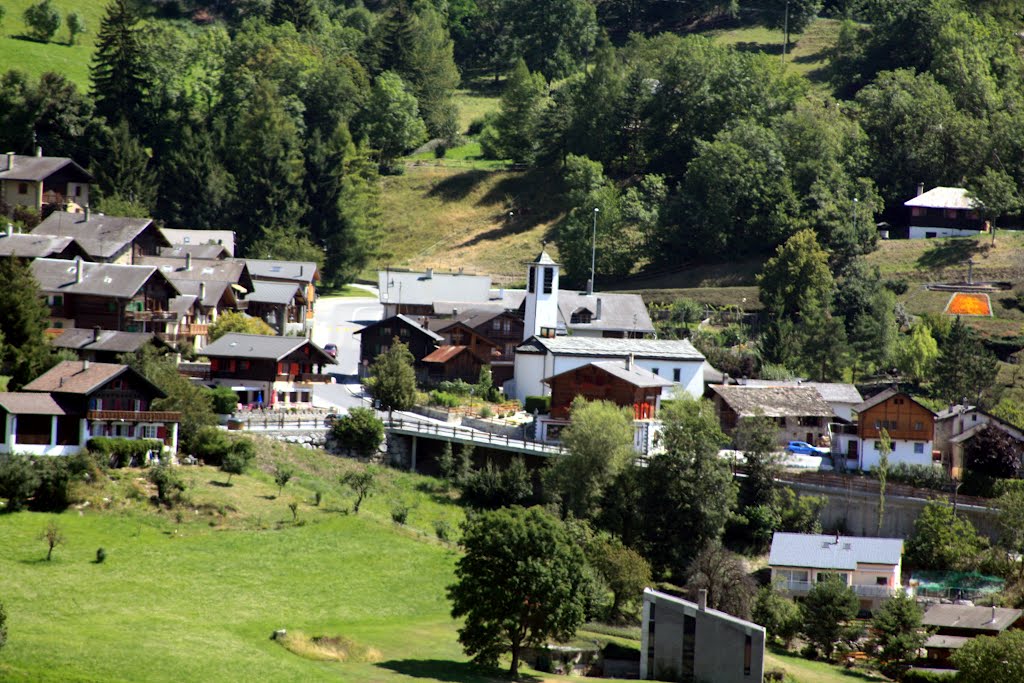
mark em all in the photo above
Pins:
pixel 195 188
pixel 517 123
pixel 125 172
pixel 432 74
pixel 24 349
pixel 301 13
pixel 964 367
pixel 120 78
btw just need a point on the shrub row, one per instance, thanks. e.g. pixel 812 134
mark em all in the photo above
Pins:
pixel 538 404
pixel 919 476
pixel 124 452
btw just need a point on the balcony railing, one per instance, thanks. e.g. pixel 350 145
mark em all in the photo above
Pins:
pixel 145 316
pixel 314 377
pixel 863 591
pixel 135 416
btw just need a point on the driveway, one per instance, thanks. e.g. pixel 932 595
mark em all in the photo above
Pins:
pixel 335 318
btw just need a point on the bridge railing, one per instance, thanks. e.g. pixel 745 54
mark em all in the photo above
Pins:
pixel 476 436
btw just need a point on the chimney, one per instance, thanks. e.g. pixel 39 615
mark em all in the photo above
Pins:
pixel 60 383
pixel 920 189
pixel 87 213
pixel 85 365
pixel 993 619
pixel 702 599
pixel 202 292
pixel 39 151
pixel 188 260
pixel 597 313
pixel 837 538
pixel 590 286
pixel 10 161
pixel 629 362
pixel 96 333
pixel 78 270
pixel 430 273
pixel 301 269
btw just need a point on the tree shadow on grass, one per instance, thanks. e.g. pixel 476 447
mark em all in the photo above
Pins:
pixel 451 672
pixel 458 187
pixel 222 484
pixel 950 253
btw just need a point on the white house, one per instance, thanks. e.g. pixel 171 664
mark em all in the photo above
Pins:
pixel 944 212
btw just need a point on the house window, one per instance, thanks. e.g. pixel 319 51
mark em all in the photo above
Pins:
pixel 791 575
pixel 748 654
pixel 951 213
pixel 22 188
pixel 878 445
pixel 58 325
pixel 58 299
pixel 677 375
pixel 918 448
pixel 78 190
pixel 843 576
pixel 506 326
pixel 898 401
pixel 917 211
pixel 919 426
pixel 581 316
pixel 881 581
pixel 549 280
pixel 495 324
pixel 878 424
pixel 149 431
pixel 243 365
pixel 532 284
pixel 656 371
pixel 404 332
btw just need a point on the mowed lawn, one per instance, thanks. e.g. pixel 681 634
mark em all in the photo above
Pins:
pixel 36 58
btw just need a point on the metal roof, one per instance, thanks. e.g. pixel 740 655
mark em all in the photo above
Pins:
pixel 944 198
pixel 32 246
pixel 667 349
pixel 58 276
pixel 36 168
pixel 408 321
pixel 24 403
pixel 202 251
pixel 619 312
pixel 235 345
pixel 819 551
pixel 748 401
pixel 423 289
pixel 443 354
pixel 102 340
pixel 651 594
pixel 226 238
pixel 971 617
pixel 214 289
pixel 229 270
pixel 946 643
pixel 99 235
pixel 283 293
pixel 269 269
pixel 498 300
pixel 543 259
pixel 634 374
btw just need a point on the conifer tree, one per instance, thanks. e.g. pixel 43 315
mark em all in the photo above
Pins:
pixel 24 350
pixel 195 188
pixel 514 135
pixel 301 13
pixel 120 78
pixel 125 172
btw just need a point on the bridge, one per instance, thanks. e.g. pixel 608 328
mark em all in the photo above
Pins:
pixel 465 435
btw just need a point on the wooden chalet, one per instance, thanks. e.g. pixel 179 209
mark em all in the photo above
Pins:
pixel 621 382
pixel 377 337
pixel 39 182
pixel 106 239
pixel 451 362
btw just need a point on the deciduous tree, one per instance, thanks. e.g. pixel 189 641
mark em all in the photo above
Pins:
pixel 43 20
pixel 623 569
pixel 392 380
pixel 362 484
pixel 828 612
pixel 779 615
pixel 941 540
pixel 992 660
pixel 724 576
pixel 361 431
pixel 520 583
pixel 237 322
pixel 392 118
pixel 994 453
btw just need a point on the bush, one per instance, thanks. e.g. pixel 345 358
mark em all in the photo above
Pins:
pixel 538 404
pixel 492 487
pixel 51 494
pixel 441 398
pixel 918 676
pixel 361 431
pixel 18 480
pixel 443 529
pixel 400 511
pixel 225 401
pixel 456 387
pixel 43 20
pixel 168 483
pixel 486 412
pixel 101 555
pixel 120 452
pixel 441 150
pixel 211 445
pixel 919 476
pixel 476 126
pixel 238 457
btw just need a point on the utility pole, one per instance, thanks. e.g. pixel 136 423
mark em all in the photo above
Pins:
pixel 593 251
pixel 785 33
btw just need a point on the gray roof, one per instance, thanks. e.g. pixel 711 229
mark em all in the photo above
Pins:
pixel 832 392
pixel 406 319
pixel 183 305
pixel 18 403
pixel 214 290
pixel 101 340
pixel 473 317
pixel 100 235
pixel 181 236
pixel 57 276
pixel 274 292
pixel 235 345
pixel 543 259
pixel 748 401
pixel 32 246
pixel 652 595
pixel 229 270
pixel 971 617
pixel 946 643
pixel 944 198
pixel 819 551
pixel 635 375
pixel 269 269
pixel 423 289
pixel 203 251
pixel 37 168
pixel 498 300
pixel 619 312
pixel 884 396
pixel 667 349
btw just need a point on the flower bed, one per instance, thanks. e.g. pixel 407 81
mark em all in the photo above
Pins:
pixel 969 304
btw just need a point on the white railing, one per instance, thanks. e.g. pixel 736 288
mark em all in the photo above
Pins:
pixel 470 435
pixel 864 591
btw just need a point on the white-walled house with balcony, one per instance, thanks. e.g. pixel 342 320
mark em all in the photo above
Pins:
pixel 872 567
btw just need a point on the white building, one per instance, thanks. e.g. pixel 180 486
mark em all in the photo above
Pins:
pixel 944 212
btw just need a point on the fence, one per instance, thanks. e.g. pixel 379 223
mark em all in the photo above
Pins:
pixel 257 422
pixel 415 428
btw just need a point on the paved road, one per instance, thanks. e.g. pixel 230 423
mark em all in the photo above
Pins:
pixel 336 318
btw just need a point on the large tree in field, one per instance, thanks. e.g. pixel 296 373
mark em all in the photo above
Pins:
pixel 941 540
pixel 828 611
pixel 392 379
pixel 24 349
pixel 599 441
pixel 392 117
pixel 520 583
pixel 964 368
pixel 120 77
pixel 514 134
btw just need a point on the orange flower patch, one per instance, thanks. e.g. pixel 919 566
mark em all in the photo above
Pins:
pixel 969 304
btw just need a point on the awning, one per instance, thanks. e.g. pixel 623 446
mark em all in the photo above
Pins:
pixel 246 388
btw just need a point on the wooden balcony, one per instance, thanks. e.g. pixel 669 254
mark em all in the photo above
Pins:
pixel 314 377
pixel 135 416
pixel 151 316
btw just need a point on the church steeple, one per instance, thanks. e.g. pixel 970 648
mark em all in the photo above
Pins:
pixel 541 297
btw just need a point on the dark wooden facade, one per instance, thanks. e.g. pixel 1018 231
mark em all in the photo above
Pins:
pixel 453 362
pixel 901 417
pixel 595 384
pixel 301 365
pixel 378 337
pixel 146 311
pixel 479 345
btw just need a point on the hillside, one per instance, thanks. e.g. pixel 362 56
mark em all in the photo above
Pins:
pixel 18 52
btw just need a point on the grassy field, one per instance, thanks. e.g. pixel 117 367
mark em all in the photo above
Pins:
pixel 450 218
pixel 806 671
pixel 17 52
pixel 808 53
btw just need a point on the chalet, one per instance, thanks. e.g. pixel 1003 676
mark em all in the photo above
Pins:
pixel 282 305
pixel 621 382
pixel 872 567
pixel 103 346
pixel 957 425
pixel 955 625
pixel 799 412
pixel 276 371
pixel 414 293
pixel 38 181
pixel 910 426
pixel 232 271
pixel 501 327
pixel 58 412
pixel 224 238
pixel 943 212
pixel 541 357
pixel 104 295
pixel 682 640
pixel 457 362
pixel 304 274
pixel 458 333
pixel 105 239
pixel 840 397
pixel 210 252
pixel 376 338
pixel 28 246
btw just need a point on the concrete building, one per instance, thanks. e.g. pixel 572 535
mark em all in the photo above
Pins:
pixel 683 640
pixel 872 567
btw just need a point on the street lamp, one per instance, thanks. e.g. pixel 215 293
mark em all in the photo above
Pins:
pixel 593 250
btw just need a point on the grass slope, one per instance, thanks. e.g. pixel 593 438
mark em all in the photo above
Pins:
pixel 808 53
pixel 35 58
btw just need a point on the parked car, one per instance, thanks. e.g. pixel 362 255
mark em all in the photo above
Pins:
pixel 331 349
pixel 804 448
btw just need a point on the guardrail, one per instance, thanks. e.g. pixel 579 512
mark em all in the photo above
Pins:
pixel 276 422
pixel 865 591
pixel 413 427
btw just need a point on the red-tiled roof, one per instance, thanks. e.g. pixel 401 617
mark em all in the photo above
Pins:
pixel 443 354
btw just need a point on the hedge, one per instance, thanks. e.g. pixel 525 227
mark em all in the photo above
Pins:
pixel 124 451
pixel 538 404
